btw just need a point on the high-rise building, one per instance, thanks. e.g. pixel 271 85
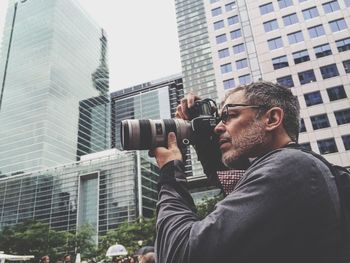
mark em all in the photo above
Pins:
pixel 152 100
pixel 54 102
pixel 102 189
pixel 302 44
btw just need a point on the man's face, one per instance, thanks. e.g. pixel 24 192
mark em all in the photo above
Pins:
pixel 67 259
pixel 242 134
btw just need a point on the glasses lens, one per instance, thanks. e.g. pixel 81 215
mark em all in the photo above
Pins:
pixel 224 114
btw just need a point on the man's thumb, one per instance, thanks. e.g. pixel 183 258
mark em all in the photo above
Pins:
pixel 171 140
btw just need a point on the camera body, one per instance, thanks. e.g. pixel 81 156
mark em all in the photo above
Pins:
pixel 149 134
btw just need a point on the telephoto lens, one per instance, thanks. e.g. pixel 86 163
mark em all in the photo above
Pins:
pixel 148 134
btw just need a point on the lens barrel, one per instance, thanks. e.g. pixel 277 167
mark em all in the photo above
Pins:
pixel 148 134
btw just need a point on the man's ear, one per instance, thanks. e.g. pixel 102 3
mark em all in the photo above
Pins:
pixel 273 118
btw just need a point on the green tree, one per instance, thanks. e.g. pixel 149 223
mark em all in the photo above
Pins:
pixel 207 206
pixel 85 241
pixel 128 235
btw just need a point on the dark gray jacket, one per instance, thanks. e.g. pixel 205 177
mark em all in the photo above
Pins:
pixel 284 209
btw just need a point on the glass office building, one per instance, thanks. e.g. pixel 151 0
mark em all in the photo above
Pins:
pixel 54 103
pixel 103 189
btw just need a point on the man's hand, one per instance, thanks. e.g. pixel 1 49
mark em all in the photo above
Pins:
pixel 164 155
pixel 182 108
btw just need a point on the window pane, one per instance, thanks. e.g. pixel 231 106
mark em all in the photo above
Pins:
pixel 323 50
pixel 301 56
pixel 306 77
pixel 223 53
pixel 327 146
pixel 310 13
pixel 219 24
pixel 290 19
pixel 232 20
pixel 221 39
pixel 346 141
pixel 216 11
pixel 347 3
pixel 275 43
pixel 342 116
pixel 226 68
pixel 230 6
pixel 286 81
pixel 242 63
pixel 267 8
pixel 245 79
pixel 346 64
pixel 280 62
pixel 316 31
pixel 338 25
pixel 284 3
pixel 313 98
pixel 306 146
pixel 336 93
pixel 238 48
pixel 236 34
pixel 295 37
pixel 329 71
pixel 302 125
pixel 331 6
pixel 319 121
pixel 270 25
pixel 229 84
pixel 343 44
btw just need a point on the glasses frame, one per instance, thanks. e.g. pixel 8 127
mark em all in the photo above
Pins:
pixel 225 118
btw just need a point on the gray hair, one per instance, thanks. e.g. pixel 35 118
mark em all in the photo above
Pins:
pixel 273 95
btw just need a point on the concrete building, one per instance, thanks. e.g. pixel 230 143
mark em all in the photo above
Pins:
pixel 54 103
pixel 302 44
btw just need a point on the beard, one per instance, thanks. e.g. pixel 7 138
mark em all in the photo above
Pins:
pixel 244 144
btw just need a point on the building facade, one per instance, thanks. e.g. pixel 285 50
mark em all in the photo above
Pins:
pixel 103 189
pixel 54 102
pixel 302 44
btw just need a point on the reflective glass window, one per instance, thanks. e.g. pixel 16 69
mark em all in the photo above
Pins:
pixel 346 65
pixel 219 24
pixel 275 43
pixel 347 3
pixel 319 121
pixel 338 25
pixel 270 25
pixel 301 56
pixel 316 31
pixel 238 48
pixel 327 146
pixel 295 37
pixel 306 77
pixel 346 141
pixel 226 68
pixel 236 34
pixel 323 50
pixel 245 79
pixel 342 116
pixel 229 83
pixel 216 11
pixel 286 81
pixel 310 13
pixel 284 3
pixel 223 53
pixel 232 20
pixel 266 8
pixel 290 19
pixel 242 63
pixel 331 6
pixel 329 71
pixel 230 6
pixel 313 98
pixel 280 62
pixel 306 146
pixel 336 93
pixel 221 39
pixel 302 125
pixel 343 44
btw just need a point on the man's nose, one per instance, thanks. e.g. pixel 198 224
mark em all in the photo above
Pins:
pixel 219 128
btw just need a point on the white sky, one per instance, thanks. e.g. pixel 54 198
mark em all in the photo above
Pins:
pixel 142 38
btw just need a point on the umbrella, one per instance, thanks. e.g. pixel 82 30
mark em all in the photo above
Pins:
pixel 144 250
pixel 116 250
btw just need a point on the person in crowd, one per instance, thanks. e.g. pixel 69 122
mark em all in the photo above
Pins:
pixel 67 258
pixel 149 257
pixel 45 259
pixel 285 208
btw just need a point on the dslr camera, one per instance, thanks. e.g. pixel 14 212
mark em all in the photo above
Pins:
pixel 148 134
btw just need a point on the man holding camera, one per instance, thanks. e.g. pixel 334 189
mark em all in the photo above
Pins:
pixel 284 209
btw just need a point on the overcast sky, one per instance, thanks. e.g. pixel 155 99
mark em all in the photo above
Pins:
pixel 142 38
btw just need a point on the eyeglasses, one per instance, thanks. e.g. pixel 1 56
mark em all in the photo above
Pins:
pixel 225 113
